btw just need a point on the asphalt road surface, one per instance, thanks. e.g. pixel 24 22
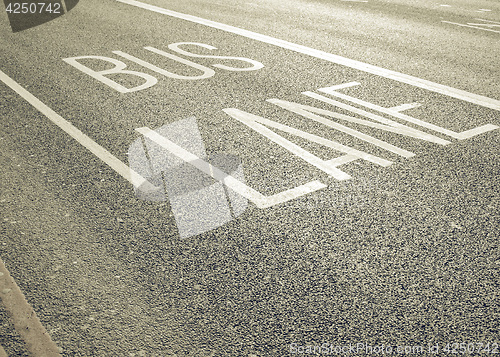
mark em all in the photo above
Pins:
pixel 253 178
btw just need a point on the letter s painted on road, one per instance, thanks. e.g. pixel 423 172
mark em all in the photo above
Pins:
pixel 255 64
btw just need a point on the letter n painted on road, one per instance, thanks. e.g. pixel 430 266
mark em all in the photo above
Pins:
pixel 330 167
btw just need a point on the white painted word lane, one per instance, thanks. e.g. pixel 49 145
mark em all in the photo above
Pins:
pixel 261 125
pixel 377 118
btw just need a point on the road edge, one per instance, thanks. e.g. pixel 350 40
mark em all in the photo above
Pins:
pixel 25 320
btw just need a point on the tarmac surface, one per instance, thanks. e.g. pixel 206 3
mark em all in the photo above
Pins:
pixel 396 249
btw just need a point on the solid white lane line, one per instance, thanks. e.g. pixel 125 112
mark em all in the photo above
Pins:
pixel 400 77
pixel 103 154
pixel 485 25
pixel 474 27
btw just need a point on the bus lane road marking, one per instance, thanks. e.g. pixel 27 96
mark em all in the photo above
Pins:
pixel 260 124
pixel 260 200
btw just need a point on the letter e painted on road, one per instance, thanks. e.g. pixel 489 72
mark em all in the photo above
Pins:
pixel 460 136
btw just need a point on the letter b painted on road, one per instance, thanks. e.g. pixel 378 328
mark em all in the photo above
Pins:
pixel 119 68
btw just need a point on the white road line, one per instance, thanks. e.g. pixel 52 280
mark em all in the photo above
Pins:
pixel 400 77
pixel 65 9
pixel 405 106
pixel 495 22
pixel 474 27
pixel 485 25
pixel 103 154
